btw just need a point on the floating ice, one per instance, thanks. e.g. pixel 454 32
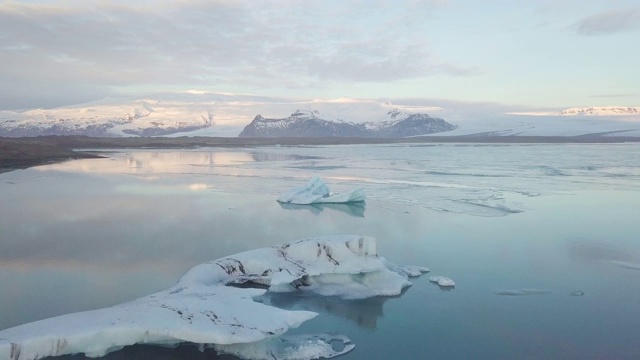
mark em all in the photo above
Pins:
pixel 292 347
pixel 521 292
pixel 442 281
pixel 317 192
pixel 201 309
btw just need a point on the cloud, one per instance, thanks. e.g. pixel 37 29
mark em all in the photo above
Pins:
pixel 237 45
pixel 609 22
pixel 607 96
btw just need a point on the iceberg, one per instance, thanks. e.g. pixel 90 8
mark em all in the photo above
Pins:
pixel 316 191
pixel 203 308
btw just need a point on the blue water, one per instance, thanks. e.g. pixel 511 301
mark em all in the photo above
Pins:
pixel 558 219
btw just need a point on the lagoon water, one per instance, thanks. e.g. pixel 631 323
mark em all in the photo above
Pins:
pixel 543 241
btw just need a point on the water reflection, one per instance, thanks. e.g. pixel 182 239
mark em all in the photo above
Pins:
pixel 186 351
pixel 604 253
pixel 153 162
pixel 351 209
pixel 80 235
pixel 365 313
pixel 259 156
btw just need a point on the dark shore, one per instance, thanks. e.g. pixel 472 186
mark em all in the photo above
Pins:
pixel 21 153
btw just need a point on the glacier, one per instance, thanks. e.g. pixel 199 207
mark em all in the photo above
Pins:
pixel 203 308
pixel 316 191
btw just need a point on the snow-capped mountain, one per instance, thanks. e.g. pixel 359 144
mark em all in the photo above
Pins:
pixel 130 118
pixel 311 123
pixel 601 111
pixel 195 113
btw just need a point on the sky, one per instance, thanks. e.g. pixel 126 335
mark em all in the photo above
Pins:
pixel 523 54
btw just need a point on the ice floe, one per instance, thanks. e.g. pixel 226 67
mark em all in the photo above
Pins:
pixel 201 308
pixel 442 281
pixel 521 292
pixel 316 191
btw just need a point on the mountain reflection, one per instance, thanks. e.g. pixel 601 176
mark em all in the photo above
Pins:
pixel 153 162
pixel 355 209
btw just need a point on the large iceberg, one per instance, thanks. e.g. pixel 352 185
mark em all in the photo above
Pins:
pixel 316 191
pixel 202 308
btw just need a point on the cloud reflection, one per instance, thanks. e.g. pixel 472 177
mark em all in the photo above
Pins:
pixel 365 313
pixel 150 162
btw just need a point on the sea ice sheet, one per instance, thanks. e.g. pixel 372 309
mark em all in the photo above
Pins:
pixel 202 309
pixel 316 191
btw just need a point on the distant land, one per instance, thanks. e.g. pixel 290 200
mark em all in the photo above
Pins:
pixel 301 123
pixel 21 153
pixel 228 115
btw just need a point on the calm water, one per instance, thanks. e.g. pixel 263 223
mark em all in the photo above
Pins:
pixel 559 219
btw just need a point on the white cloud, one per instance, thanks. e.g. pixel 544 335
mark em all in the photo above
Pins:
pixel 222 44
pixel 609 22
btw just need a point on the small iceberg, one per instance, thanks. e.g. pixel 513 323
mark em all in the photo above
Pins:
pixel 442 281
pixel 203 309
pixel 316 191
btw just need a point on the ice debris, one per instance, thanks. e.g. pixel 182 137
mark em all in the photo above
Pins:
pixel 316 191
pixel 202 309
pixel 521 292
pixel 442 281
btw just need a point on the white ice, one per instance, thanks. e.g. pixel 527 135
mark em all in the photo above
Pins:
pixel 317 192
pixel 202 309
pixel 442 281
pixel 521 292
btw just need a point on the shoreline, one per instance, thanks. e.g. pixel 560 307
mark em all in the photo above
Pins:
pixel 22 153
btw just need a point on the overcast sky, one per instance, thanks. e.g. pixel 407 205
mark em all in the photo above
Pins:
pixel 535 53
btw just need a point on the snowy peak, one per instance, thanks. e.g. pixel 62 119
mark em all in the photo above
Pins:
pixel 310 123
pixel 138 117
pixel 601 111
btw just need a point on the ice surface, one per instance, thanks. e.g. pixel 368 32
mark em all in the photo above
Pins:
pixel 408 270
pixel 442 281
pixel 316 192
pixel 201 309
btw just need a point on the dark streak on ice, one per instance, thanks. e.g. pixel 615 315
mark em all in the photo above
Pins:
pixel 327 250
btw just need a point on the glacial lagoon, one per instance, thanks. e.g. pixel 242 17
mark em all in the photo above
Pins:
pixel 542 241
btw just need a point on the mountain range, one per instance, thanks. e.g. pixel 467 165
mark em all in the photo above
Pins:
pixel 227 115
pixel 135 118
pixel 310 123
